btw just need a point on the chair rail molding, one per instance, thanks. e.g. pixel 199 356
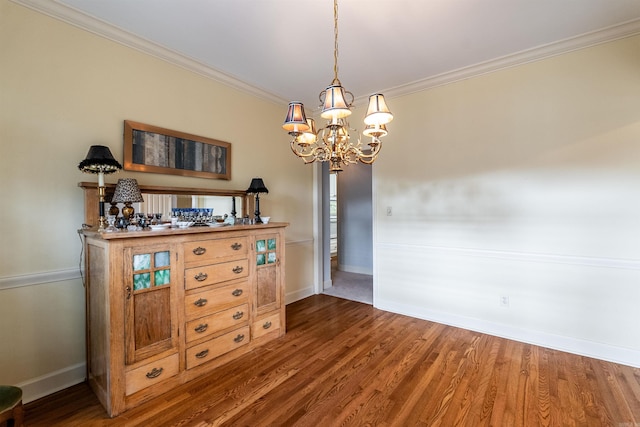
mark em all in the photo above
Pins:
pixel 601 262
pixel 42 278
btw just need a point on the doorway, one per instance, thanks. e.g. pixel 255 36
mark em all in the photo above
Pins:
pixel 349 234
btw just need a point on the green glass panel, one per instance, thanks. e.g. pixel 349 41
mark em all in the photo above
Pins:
pixel 271 257
pixel 141 281
pixel 141 262
pixel 260 259
pixel 260 246
pixel 162 259
pixel 271 244
pixel 162 277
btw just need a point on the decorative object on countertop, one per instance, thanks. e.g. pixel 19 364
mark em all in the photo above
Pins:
pixel 257 187
pixel 333 143
pixel 127 192
pixel 195 216
pixel 100 161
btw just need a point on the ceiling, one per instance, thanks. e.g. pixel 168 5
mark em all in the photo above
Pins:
pixel 282 50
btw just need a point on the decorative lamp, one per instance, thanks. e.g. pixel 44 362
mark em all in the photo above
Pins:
pixel 377 113
pixel 296 120
pixel 332 143
pixel 257 187
pixel 127 192
pixel 100 161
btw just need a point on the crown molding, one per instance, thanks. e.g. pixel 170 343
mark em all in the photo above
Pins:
pixel 116 34
pixel 101 28
pixel 615 32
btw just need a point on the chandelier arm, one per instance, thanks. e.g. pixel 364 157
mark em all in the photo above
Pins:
pixel 349 104
pixel 370 158
pixel 301 154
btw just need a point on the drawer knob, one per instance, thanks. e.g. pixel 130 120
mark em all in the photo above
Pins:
pixel 238 315
pixel 200 277
pixel 202 354
pixel 239 338
pixel 238 269
pixel 199 250
pixel 200 302
pixel 266 325
pixel 201 328
pixel 237 292
pixel 236 246
pixel 154 373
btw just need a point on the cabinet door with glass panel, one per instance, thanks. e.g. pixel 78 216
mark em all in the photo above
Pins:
pixel 151 284
pixel 268 254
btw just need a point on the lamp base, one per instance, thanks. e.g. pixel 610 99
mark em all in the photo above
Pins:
pixel 102 222
pixel 256 214
pixel 128 211
pixel 113 210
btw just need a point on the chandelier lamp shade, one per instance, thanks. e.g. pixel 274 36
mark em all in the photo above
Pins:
pixel 333 143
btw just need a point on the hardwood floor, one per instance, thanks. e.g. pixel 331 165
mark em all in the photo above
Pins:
pixel 347 363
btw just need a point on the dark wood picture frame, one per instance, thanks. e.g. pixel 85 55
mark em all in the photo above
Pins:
pixel 154 149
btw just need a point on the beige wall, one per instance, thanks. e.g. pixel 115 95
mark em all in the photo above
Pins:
pixel 523 183
pixel 63 89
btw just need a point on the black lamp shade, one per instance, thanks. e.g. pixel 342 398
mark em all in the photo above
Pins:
pixel 257 186
pixel 99 159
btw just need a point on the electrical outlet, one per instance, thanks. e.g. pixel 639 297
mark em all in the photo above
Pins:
pixel 504 301
pixel 388 210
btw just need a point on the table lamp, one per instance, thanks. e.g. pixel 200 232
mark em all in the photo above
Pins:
pixel 257 187
pixel 127 192
pixel 100 161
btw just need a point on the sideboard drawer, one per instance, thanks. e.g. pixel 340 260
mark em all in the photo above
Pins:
pixel 211 349
pixel 213 300
pixel 215 273
pixel 150 374
pixel 208 251
pixel 265 325
pixel 205 326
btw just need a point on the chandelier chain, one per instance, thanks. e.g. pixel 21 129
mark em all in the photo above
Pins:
pixel 335 42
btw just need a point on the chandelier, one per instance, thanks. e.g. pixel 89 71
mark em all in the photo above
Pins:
pixel 333 143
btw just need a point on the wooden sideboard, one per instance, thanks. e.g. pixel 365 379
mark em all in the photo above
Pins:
pixel 165 307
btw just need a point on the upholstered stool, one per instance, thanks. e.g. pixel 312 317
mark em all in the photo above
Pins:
pixel 11 405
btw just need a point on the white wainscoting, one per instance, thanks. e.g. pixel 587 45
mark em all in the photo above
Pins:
pixel 582 305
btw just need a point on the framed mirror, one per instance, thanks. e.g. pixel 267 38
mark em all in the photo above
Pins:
pixel 163 199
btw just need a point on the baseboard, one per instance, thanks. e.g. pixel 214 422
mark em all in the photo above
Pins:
pixel 45 385
pixel 298 295
pixel 591 349
pixel 355 269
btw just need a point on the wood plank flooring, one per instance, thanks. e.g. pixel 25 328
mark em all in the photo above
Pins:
pixel 344 363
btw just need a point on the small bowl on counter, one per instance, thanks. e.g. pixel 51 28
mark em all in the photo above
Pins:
pixel 184 224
